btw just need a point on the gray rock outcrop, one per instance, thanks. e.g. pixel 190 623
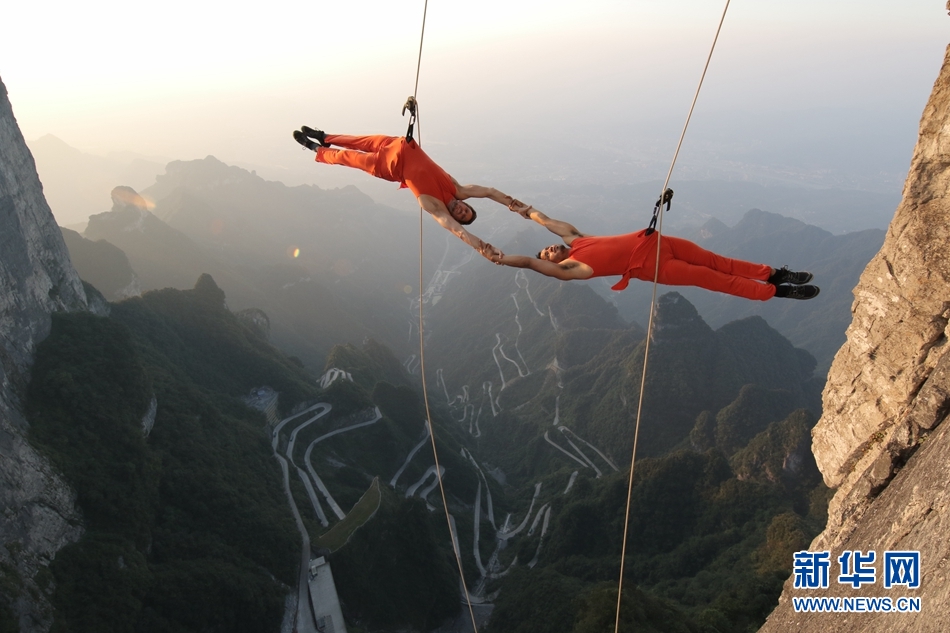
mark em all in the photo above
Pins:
pixel 37 509
pixel 882 440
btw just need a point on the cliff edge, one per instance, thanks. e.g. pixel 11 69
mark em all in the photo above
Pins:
pixel 37 509
pixel 882 441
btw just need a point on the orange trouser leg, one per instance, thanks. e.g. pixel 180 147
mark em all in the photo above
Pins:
pixel 361 151
pixel 683 263
pixel 362 143
pixel 349 158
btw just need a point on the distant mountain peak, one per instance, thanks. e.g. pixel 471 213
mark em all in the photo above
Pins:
pixel 757 222
pixel 712 227
pixel 207 289
pixel 676 317
pixel 50 139
pixel 127 198
pixel 204 172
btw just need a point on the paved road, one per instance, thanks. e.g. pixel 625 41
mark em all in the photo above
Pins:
pixel 412 453
pixel 313 473
pixel 304 620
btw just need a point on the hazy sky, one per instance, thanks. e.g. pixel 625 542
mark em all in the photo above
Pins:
pixel 188 78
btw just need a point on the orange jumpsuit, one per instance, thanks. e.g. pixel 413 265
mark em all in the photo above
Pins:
pixel 390 158
pixel 682 263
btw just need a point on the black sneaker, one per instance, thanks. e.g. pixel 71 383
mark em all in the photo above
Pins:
pixel 318 135
pixel 785 276
pixel 797 292
pixel 306 142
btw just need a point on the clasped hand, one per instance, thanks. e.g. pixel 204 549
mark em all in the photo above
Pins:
pixel 522 209
pixel 491 253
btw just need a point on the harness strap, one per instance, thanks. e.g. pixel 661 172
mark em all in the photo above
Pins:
pixel 667 199
pixel 410 105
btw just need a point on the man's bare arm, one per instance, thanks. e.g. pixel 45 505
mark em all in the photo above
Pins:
pixel 437 210
pixel 565 231
pixel 463 192
pixel 564 271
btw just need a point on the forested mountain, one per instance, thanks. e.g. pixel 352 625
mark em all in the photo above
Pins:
pixel 540 503
pixel 187 527
pixel 104 265
pixel 730 492
pixel 185 524
pixel 544 377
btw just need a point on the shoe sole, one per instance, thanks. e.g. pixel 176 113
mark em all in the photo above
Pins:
pixel 793 292
pixel 302 139
pixel 817 292
pixel 311 133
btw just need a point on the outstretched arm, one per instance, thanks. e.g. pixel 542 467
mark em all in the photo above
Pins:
pixel 463 192
pixel 437 210
pixel 565 271
pixel 565 231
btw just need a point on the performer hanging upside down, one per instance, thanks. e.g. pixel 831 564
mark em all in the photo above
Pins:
pixel 396 160
pixel 682 263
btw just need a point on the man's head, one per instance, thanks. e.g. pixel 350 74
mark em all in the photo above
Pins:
pixel 556 253
pixel 463 212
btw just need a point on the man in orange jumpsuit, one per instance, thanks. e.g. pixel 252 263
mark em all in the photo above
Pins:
pixel 396 160
pixel 682 263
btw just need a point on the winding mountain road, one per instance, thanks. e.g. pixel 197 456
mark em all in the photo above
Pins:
pixel 337 510
pixel 304 621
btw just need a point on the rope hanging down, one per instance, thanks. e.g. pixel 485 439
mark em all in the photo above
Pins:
pixel 413 106
pixel 435 453
pixel 658 213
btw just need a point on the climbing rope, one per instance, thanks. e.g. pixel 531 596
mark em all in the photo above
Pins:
pixel 413 106
pixel 411 103
pixel 646 351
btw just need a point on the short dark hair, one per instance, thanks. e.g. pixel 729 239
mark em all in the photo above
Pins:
pixel 539 253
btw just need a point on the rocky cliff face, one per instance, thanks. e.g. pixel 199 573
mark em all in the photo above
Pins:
pixel 882 441
pixel 37 512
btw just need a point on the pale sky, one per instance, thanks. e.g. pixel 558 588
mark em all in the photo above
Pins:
pixel 183 79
